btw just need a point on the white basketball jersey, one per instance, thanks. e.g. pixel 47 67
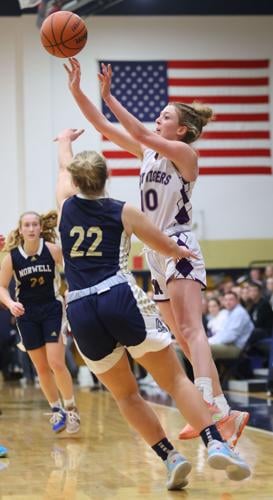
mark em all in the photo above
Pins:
pixel 165 196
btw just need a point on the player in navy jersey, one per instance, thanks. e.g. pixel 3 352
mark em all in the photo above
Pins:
pixel 168 173
pixel 110 314
pixel 32 259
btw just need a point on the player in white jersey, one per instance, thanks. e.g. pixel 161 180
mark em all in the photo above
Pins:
pixel 161 182
pixel 170 164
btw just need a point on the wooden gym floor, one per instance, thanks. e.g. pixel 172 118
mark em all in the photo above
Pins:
pixel 108 460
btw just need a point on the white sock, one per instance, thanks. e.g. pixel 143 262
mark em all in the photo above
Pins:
pixel 221 403
pixel 56 404
pixel 70 403
pixel 204 385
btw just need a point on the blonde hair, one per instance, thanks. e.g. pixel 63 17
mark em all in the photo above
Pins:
pixel 89 172
pixel 194 117
pixel 47 221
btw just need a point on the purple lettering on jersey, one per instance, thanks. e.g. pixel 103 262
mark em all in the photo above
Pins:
pixel 184 267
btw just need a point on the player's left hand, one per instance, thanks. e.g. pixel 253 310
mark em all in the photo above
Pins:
pixel 105 78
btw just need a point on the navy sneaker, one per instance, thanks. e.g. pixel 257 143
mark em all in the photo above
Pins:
pixel 58 419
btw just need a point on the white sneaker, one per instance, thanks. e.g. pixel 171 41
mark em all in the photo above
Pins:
pixel 72 421
pixel 222 457
pixel 178 468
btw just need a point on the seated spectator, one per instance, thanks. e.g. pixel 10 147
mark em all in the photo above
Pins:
pixel 244 296
pixel 215 318
pixel 269 291
pixel 256 275
pixel 227 286
pixel 9 360
pixel 260 312
pixel 234 332
pixel 268 272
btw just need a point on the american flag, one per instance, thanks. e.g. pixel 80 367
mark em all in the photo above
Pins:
pixel 236 142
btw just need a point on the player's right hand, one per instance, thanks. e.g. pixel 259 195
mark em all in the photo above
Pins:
pixel 70 134
pixel 74 74
pixel 186 253
pixel 17 309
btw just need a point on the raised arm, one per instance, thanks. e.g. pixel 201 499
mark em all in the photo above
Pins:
pixel 180 153
pixel 134 221
pixel 119 136
pixel 65 188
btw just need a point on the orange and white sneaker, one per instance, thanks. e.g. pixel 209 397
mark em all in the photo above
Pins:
pixel 233 427
pixel 230 427
pixel 188 432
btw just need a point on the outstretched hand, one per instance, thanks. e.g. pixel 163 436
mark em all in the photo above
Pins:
pixel 74 74
pixel 105 78
pixel 69 133
pixel 186 253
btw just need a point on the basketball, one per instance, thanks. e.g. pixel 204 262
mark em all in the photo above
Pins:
pixel 63 34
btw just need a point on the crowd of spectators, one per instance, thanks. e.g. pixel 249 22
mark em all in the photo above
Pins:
pixel 235 312
pixel 240 312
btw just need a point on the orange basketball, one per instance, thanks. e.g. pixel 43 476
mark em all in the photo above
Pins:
pixel 63 34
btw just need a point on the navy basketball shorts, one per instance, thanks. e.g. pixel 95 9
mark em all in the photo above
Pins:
pixel 41 324
pixel 104 325
pixel 164 269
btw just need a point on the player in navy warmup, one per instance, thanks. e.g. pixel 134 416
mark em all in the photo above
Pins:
pixel 109 313
pixel 33 257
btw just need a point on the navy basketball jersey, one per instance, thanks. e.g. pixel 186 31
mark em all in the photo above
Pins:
pixel 94 243
pixel 35 276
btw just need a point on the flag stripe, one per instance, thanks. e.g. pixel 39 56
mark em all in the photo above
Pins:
pixel 203 153
pixel 222 99
pixel 217 73
pixel 233 90
pixel 117 154
pixel 204 161
pixel 237 135
pixel 226 161
pixel 235 170
pixel 125 172
pixel 218 134
pixel 226 64
pixel 242 117
pixel 214 82
pixel 234 152
pixel 132 172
